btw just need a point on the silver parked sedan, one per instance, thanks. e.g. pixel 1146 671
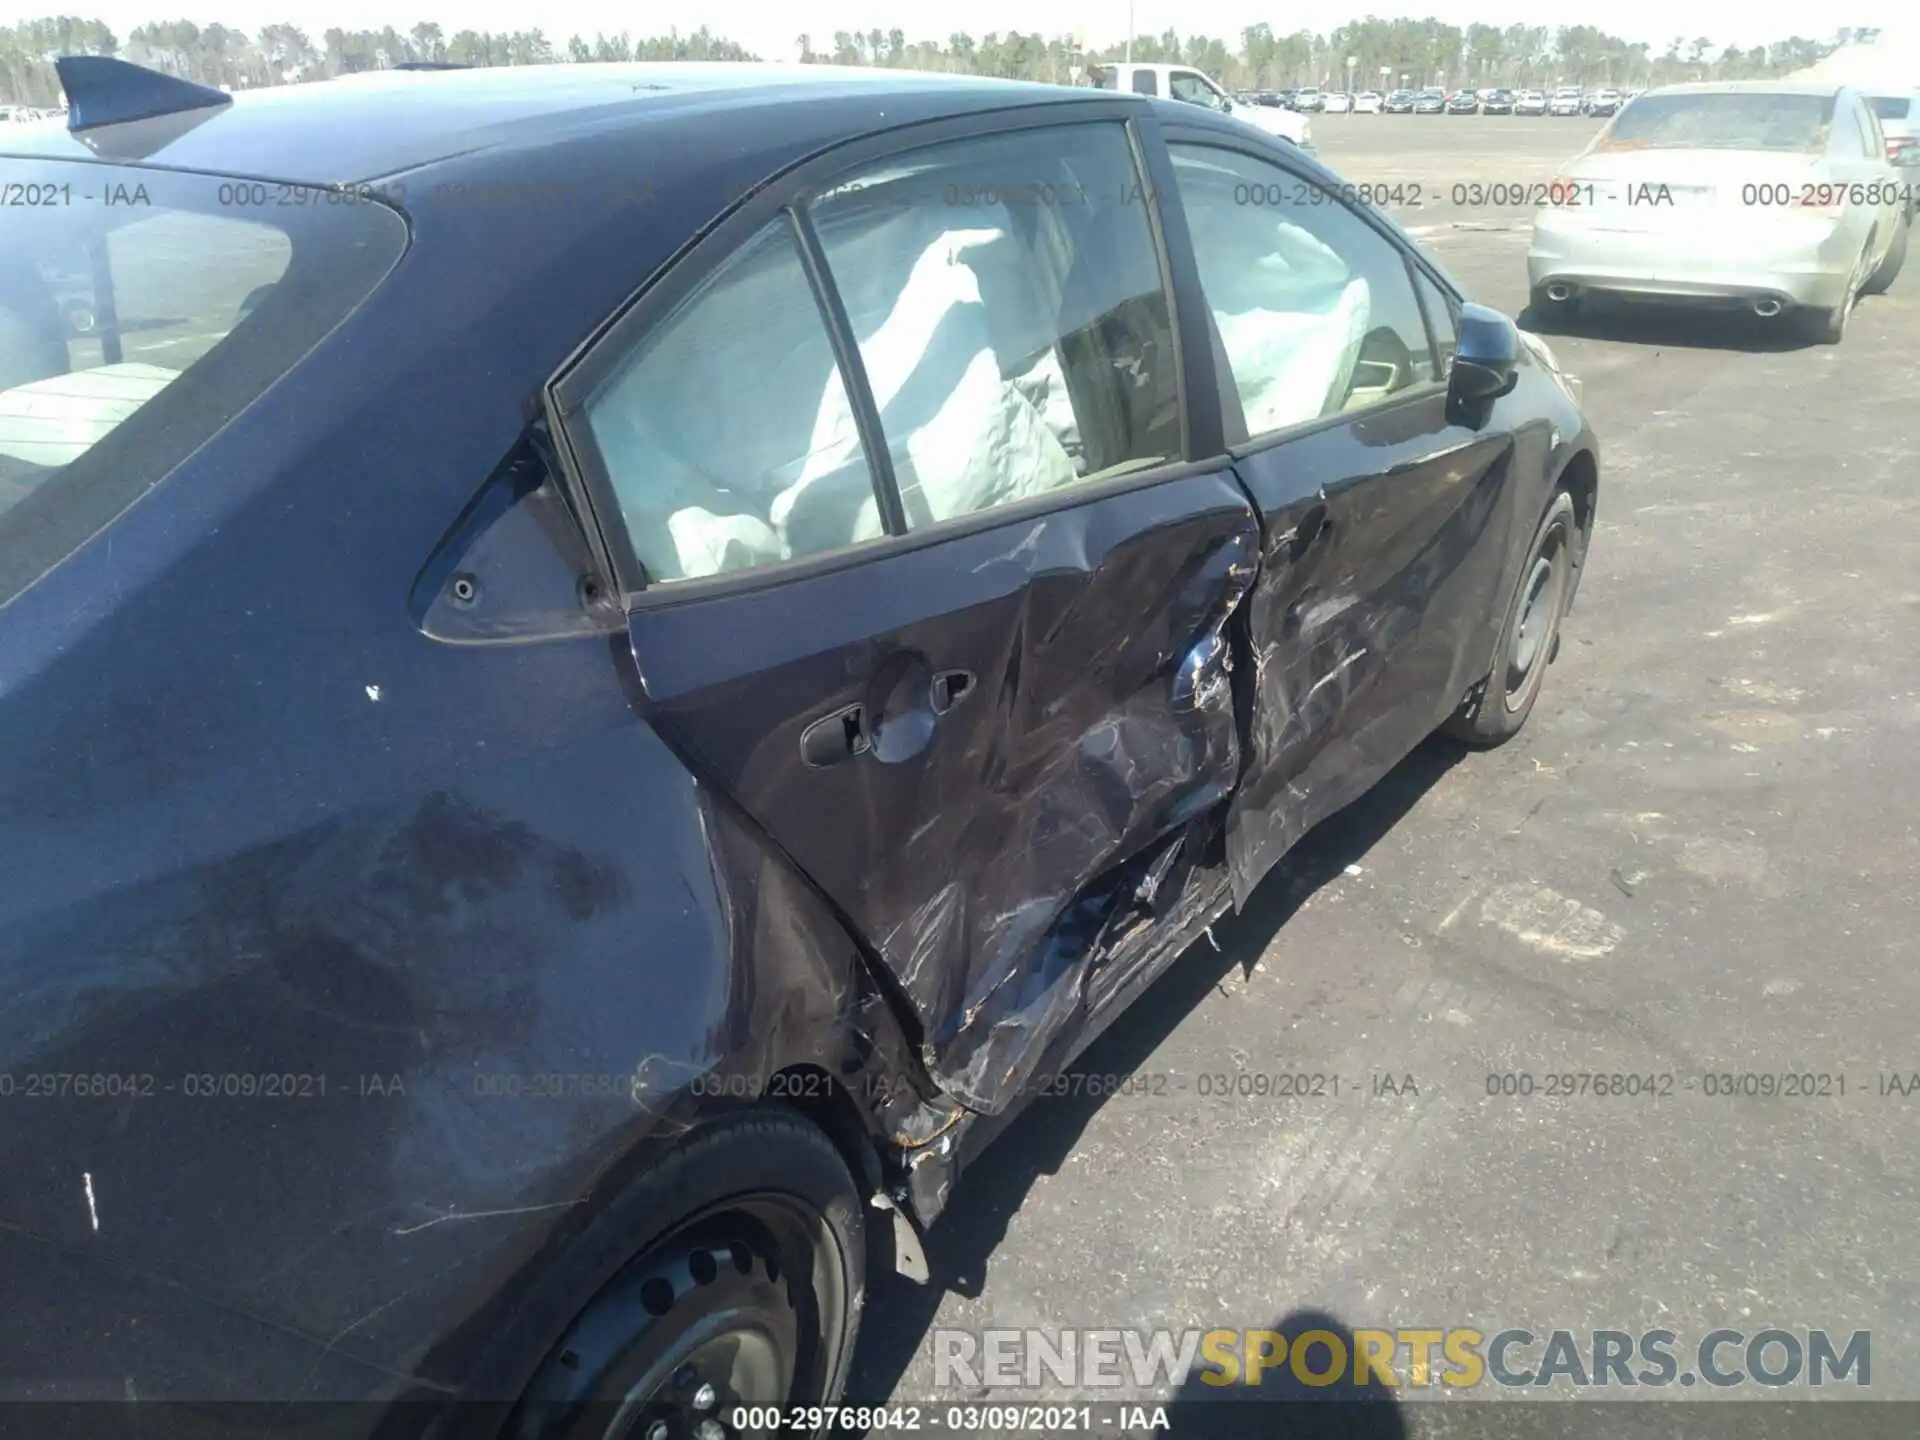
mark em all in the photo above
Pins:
pixel 1768 196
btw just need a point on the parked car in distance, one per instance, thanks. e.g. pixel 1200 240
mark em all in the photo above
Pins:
pixel 552 700
pixel 1368 102
pixel 1497 102
pixel 1398 102
pixel 1766 196
pixel 1603 103
pixel 1337 102
pixel 1463 102
pixel 1568 100
pixel 1430 102
pixel 1530 102
pixel 1899 116
pixel 1308 99
pixel 1191 87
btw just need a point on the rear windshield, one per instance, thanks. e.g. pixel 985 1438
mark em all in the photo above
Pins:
pixel 140 311
pixel 1728 121
pixel 1891 107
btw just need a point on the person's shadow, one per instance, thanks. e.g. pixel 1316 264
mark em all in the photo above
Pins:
pixel 899 1314
pixel 1283 1401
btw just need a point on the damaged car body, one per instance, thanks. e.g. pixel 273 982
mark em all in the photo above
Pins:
pixel 573 743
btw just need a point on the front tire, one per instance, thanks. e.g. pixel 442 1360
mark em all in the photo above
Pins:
pixel 1529 636
pixel 750 1299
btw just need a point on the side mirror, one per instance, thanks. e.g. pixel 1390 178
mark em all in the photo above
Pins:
pixel 1486 365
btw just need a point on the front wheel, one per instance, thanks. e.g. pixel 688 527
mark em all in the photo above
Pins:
pixel 1529 638
pixel 745 1307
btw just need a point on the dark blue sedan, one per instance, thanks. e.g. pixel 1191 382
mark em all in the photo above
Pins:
pixel 605 668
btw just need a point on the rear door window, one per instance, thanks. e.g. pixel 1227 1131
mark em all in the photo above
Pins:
pixel 1006 300
pixel 140 311
pixel 725 416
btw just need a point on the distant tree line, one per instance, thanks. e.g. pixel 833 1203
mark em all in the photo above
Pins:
pixel 1381 52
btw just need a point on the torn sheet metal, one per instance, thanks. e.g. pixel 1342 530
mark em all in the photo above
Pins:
pixel 1096 832
pixel 996 848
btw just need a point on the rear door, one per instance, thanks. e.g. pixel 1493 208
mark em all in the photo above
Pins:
pixel 1860 160
pixel 895 466
pixel 1383 519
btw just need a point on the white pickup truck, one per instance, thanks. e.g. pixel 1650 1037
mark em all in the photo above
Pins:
pixel 1183 82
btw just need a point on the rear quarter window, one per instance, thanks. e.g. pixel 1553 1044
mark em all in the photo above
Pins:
pixel 140 312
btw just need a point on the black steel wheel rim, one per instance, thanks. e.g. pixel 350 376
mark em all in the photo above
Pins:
pixel 1536 619
pixel 703 1387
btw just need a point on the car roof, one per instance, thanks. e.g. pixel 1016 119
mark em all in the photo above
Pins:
pixel 1751 87
pixel 362 127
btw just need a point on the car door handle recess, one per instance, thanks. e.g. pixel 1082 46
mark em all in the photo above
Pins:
pixel 837 737
pixel 950 687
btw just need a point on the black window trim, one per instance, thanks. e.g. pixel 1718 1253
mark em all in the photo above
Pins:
pixel 1203 136
pixel 788 195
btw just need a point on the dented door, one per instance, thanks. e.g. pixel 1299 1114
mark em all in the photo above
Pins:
pixel 990 713
pixel 1380 555
pixel 981 857
pixel 1376 589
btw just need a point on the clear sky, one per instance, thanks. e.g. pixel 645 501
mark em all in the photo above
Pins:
pixel 769 29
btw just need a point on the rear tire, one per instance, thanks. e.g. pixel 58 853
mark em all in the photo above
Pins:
pixel 751 1298
pixel 1529 636
pixel 1829 327
pixel 1889 270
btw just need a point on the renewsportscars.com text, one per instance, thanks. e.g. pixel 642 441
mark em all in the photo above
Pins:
pixel 1454 1358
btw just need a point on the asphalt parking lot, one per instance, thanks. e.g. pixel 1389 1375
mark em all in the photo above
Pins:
pixel 1699 861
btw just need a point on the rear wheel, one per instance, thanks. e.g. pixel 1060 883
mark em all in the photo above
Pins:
pixel 749 1301
pixel 1529 638
pixel 1889 270
pixel 1829 327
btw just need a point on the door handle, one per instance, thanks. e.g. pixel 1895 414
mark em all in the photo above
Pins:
pixel 950 687
pixel 835 738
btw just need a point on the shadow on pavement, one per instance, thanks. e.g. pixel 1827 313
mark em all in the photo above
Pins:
pixel 1280 1403
pixel 992 1189
pixel 1671 327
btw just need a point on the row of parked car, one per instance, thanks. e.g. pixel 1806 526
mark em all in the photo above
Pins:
pixel 1568 100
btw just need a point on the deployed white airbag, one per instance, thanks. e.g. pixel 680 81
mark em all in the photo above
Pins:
pixel 733 442
pixel 962 438
pixel 1291 316
pixel 1295 366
